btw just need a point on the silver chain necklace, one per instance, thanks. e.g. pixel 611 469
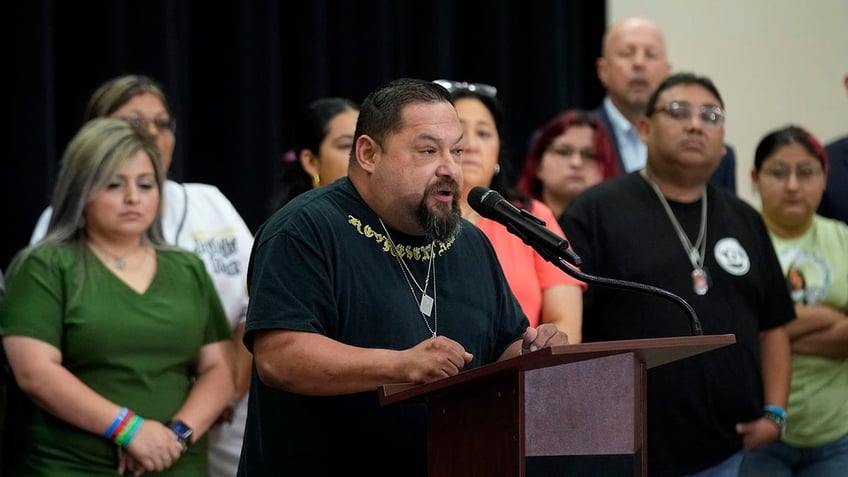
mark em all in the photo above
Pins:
pixel 118 262
pixel 696 253
pixel 427 304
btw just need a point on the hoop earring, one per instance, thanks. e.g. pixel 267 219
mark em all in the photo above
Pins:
pixel 316 181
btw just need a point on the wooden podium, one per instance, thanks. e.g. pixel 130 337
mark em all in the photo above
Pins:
pixel 565 410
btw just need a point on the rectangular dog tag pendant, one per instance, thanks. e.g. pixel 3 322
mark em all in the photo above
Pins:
pixel 426 305
pixel 699 281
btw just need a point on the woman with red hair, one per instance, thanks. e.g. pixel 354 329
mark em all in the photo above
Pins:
pixel 571 153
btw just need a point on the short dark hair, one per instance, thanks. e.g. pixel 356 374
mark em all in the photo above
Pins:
pixel 381 112
pixel 684 79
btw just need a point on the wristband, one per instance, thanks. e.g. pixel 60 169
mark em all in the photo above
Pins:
pixel 121 416
pixel 777 415
pixel 123 439
pixel 124 427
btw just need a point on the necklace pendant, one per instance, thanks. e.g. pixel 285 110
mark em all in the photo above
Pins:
pixel 700 282
pixel 120 263
pixel 426 305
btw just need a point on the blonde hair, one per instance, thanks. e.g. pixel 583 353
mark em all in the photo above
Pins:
pixel 113 94
pixel 90 161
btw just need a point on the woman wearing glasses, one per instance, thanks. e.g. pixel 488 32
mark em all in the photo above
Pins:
pixel 790 169
pixel 197 217
pixel 571 153
pixel 546 293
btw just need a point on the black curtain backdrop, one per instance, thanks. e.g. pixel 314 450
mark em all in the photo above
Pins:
pixel 238 73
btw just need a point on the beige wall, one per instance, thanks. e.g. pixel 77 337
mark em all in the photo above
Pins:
pixel 774 61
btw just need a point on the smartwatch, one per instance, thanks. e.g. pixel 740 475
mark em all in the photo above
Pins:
pixel 182 431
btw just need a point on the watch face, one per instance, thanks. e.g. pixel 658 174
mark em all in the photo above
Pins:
pixel 181 430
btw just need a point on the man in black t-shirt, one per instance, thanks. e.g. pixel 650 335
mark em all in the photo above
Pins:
pixel 667 226
pixel 366 282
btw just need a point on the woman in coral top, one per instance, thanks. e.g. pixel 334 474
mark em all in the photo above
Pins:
pixel 546 293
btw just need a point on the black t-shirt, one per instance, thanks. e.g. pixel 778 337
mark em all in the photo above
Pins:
pixel 323 264
pixel 620 230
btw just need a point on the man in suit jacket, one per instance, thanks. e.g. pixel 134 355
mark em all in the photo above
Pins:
pixel 632 65
pixel 834 203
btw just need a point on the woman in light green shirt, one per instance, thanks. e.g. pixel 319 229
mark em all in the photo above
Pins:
pixel 790 170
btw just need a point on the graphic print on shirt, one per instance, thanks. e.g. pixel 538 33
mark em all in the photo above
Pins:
pixel 808 276
pixel 732 257
pixel 218 248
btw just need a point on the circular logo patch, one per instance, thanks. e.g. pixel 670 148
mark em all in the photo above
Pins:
pixel 732 257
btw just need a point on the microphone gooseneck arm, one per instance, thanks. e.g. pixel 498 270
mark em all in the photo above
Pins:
pixel 555 249
pixel 694 322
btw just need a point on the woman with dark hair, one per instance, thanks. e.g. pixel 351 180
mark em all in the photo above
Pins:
pixel 790 173
pixel 117 341
pixel 545 293
pixel 572 152
pixel 322 142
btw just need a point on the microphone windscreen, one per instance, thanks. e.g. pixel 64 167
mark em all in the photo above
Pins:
pixel 483 200
pixel 475 195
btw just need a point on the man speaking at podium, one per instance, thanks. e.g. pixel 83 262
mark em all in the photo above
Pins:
pixel 668 227
pixel 370 281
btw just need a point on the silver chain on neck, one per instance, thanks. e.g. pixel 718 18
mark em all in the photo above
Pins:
pixel 696 253
pixel 426 303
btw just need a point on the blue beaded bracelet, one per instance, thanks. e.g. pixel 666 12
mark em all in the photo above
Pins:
pixel 775 414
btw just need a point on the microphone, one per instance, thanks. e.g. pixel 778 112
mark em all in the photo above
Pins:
pixel 531 229
pixel 553 248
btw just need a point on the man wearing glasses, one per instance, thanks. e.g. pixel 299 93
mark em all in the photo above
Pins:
pixel 669 227
pixel 632 64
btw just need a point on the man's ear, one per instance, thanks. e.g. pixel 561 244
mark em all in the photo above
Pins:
pixel 367 153
pixel 601 70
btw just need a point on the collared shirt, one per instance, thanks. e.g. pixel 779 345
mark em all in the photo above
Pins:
pixel 634 153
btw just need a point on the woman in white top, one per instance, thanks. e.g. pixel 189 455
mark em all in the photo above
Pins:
pixel 197 217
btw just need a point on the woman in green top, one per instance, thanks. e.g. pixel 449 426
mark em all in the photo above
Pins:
pixel 790 173
pixel 118 343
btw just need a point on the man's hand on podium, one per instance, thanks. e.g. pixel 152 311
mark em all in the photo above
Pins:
pixel 543 336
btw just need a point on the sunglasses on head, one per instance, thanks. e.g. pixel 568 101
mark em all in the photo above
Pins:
pixel 479 88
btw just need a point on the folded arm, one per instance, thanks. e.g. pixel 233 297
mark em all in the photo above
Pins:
pixel 813 319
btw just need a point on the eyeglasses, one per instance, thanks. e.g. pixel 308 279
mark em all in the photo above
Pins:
pixel 709 115
pixel 805 172
pixel 566 151
pixel 479 88
pixel 163 125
